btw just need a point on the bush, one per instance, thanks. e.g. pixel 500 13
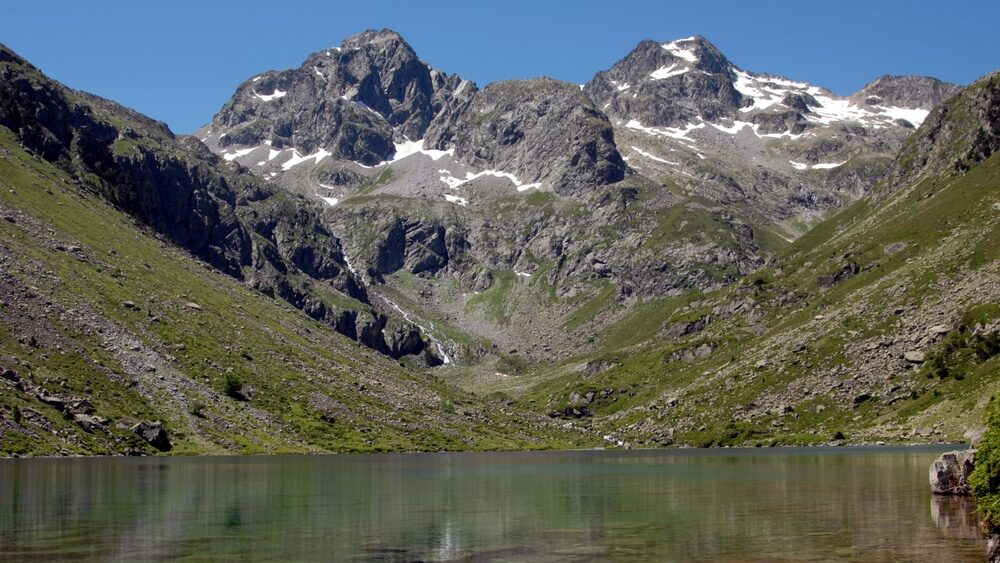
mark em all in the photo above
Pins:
pixel 233 386
pixel 197 409
pixel 985 480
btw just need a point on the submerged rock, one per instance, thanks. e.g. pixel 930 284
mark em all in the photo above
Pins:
pixel 949 474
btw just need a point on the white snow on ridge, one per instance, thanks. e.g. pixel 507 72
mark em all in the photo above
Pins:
pixel 767 91
pixel 653 157
pixel 667 72
pixel 456 200
pixel 256 78
pixel 272 96
pixel 297 159
pixel 680 52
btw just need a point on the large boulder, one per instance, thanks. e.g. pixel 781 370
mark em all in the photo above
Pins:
pixel 949 474
pixel 154 434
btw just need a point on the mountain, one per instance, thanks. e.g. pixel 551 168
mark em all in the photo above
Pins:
pixel 155 298
pixel 880 324
pixel 529 214
pixel 679 251
pixel 786 151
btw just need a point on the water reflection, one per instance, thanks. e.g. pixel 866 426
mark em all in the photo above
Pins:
pixel 787 505
pixel 956 515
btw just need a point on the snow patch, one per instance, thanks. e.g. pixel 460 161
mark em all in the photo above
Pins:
pixel 523 274
pixel 819 166
pixel 828 165
pixel 652 157
pixel 672 132
pixel 331 201
pixel 456 199
pixel 734 129
pixel 256 78
pixel 667 72
pixel 238 153
pixel 453 182
pixel 297 159
pixel 680 52
pixel 406 148
pixel 277 94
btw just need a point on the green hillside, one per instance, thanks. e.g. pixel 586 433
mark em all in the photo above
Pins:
pixel 97 307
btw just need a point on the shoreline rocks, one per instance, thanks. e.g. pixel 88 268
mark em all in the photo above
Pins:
pixel 949 474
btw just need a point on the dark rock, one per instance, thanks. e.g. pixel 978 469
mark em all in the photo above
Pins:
pixel 949 474
pixel 849 270
pixel 154 434
pixel 858 400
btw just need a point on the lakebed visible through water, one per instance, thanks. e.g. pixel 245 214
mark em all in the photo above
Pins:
pixel 778 504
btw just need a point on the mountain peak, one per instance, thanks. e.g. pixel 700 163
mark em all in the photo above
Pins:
pixel 373 37
pixel 923 92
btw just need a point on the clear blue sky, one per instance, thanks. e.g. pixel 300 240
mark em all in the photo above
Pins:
pixel 180 60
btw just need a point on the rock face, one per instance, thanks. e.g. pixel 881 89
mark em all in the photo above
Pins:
pixel 154 434
pixel 669 84
pixel 542 131
pixel 949 474
pixel 922 92
pixel 233 220
pixel 351 101
pixel 957 134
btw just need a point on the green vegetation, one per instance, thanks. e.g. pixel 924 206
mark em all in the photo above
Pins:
pixel 985 480
pixel 188 336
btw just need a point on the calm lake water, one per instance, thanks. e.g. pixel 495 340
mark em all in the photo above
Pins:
pixel 862 504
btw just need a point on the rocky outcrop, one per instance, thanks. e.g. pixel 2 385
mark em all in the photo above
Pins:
pixel 235 221
pixel 956 135
pixel 949 474
pixel 922 92
pixel 541 131
pixel 668 84
pixel 353 101
pixel 154 434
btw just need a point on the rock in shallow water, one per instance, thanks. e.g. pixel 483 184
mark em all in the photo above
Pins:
pixel 949 474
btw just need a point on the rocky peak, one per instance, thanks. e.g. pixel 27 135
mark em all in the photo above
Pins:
pixel 542 131
pixel 958 134
pixel 665 84
pixel 351 102
pixel 923 92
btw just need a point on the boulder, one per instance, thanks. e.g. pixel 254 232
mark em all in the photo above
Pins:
pixel 949 474
pixel 915 356
pixel 90 423
pixel 154 434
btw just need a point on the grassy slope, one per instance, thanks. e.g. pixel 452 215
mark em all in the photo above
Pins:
pixel 792 342
pixel 64 327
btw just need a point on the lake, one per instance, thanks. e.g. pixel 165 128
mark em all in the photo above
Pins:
pixel 777 504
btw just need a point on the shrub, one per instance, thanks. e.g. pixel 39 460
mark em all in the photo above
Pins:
pixel 233 386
